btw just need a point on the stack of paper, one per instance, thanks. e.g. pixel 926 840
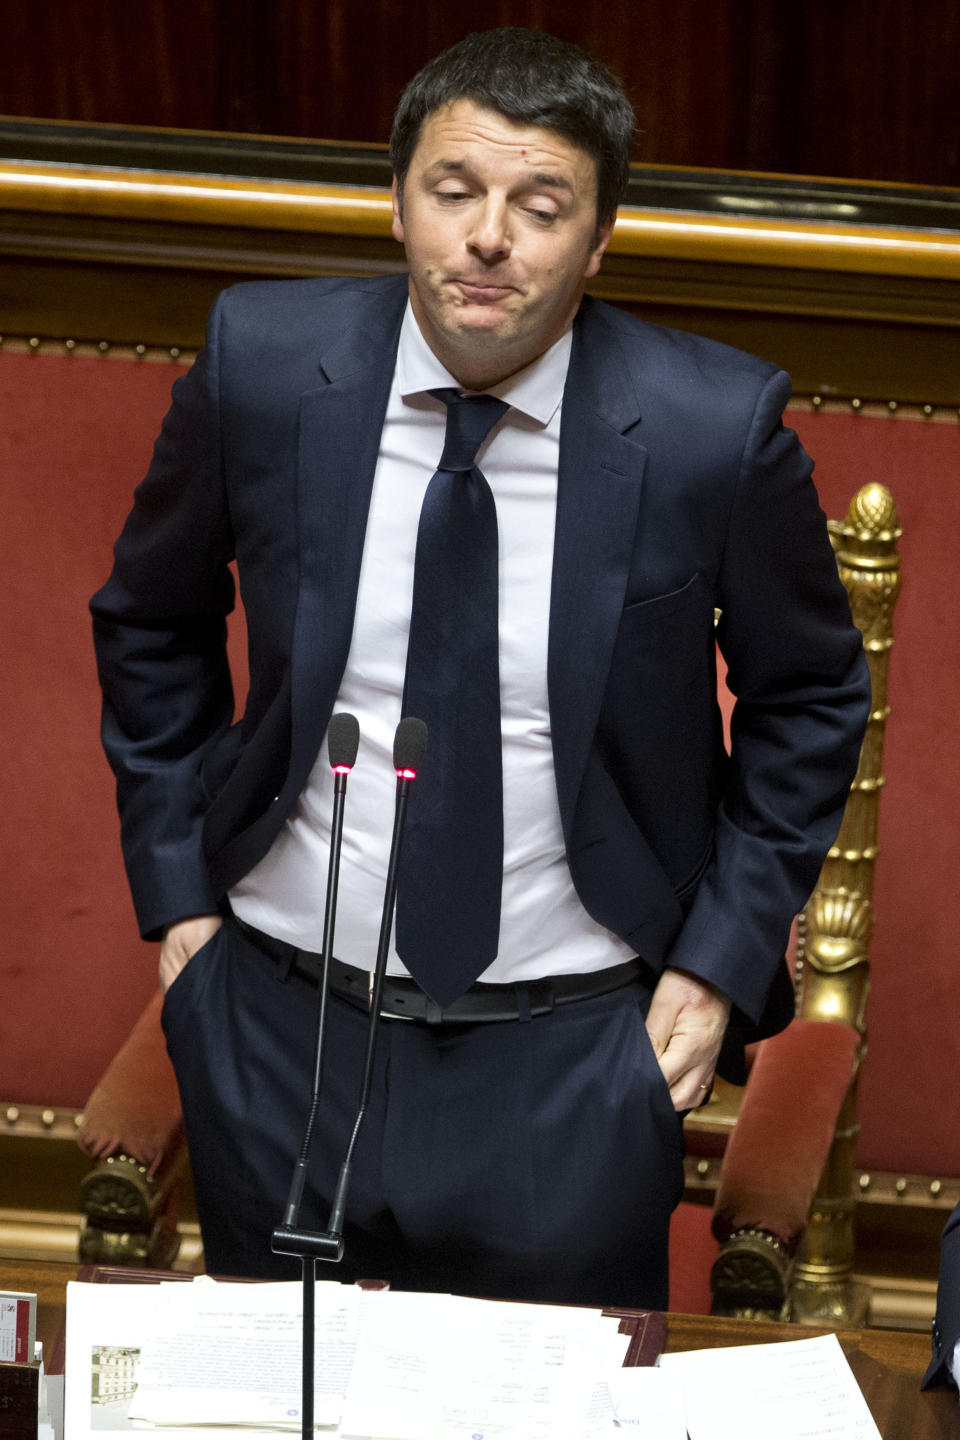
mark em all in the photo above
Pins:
pixel 207 1358
pixel 389 1365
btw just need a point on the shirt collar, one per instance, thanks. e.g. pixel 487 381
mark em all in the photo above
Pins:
pixel 536 390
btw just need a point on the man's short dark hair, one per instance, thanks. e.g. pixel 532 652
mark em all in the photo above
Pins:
pixel 531 78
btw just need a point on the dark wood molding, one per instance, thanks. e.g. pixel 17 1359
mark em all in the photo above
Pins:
pixel 853 288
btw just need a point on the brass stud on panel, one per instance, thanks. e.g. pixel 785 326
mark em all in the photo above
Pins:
pixel 48 1119
pixel 935 1187
pixel 77 1121
pixel 901 1186
pixel 13 1114
pixel 703 1168
pixel 892 406
pixel 927 410
pixel 139 351
pixel 34 344
pixel 816 401
pixel 103 346
pixel 864 1182
pixel 856 406
pixel 69 346
pixel 174 352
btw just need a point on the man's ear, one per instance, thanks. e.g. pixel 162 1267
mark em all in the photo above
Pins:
pixel 397 223
pixel 600 243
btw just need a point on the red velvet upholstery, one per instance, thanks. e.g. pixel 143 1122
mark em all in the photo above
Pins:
pixel 692 1252
pixel 75 437
pixel 779 1145
pixel 135 1106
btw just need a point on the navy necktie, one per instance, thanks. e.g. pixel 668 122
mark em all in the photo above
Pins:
pixel 451 864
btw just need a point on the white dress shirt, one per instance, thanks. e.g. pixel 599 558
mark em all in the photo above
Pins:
pixel 544 929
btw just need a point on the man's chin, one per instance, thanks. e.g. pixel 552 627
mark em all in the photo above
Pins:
pixel 484 322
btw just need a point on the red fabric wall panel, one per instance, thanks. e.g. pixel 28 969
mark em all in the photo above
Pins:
pixel 75 437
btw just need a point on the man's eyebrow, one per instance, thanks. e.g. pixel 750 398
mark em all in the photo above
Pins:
pixel 447 167
pixel 540 178
pixel 550 181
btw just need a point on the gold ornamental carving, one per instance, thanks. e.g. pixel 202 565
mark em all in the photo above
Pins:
pixel 839 925
pixel 834 973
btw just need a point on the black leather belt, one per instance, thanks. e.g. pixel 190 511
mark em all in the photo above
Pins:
pixel 402 999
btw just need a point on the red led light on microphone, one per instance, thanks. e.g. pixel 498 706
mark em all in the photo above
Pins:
pixel 406 774
pixel 342 769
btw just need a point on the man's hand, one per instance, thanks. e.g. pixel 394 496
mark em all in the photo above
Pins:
pixel 181 942
pixel 686 1021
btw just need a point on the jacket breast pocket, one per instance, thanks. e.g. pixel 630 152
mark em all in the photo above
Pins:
pixel 674 609
pixel 660 733
pixel 663 666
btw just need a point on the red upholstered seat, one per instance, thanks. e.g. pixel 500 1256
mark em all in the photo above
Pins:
pixel 135 1107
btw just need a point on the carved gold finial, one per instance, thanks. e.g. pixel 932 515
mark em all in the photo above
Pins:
pixel 873 514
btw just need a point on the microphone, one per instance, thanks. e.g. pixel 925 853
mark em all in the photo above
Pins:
pixel 343 741
pixel 343 737
pixel 409 744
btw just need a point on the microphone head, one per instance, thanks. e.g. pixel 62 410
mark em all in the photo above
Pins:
pixel 409 743
pixel 343 740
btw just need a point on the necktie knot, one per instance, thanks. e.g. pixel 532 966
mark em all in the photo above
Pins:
pixel 470 418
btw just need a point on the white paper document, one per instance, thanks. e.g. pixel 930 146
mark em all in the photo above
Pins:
pixel 793 1390
pixel 468 1368
pixel 642 1401
pixel 231 1354
pixel 106 1327
pixel 208 1357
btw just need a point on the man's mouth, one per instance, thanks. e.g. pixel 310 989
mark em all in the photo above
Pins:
pixel 482 291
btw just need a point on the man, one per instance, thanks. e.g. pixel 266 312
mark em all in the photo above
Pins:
pixel 944 1361
pixel 525 1133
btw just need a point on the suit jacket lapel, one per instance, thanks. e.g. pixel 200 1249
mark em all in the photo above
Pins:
pixel 340 425
pixel 598 498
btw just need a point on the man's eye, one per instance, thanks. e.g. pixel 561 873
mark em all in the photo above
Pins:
pixel 452 195
pixel 544 217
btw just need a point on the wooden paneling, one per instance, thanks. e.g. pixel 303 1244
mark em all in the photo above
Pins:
pixel 862 88
pixel 867 309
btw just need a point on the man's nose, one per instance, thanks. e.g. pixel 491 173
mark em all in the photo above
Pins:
pixel 490 235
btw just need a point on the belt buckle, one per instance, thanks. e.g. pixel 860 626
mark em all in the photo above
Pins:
pixel 383 1012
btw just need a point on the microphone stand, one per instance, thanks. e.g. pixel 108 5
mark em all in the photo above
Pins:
pixel 288 1238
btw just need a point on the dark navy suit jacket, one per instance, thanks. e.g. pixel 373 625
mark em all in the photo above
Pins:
pixel 946 1325
pixel 679 493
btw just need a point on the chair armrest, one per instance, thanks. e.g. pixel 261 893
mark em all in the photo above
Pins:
pixel 775 1158
pixel 132 1127
pixel 135 1107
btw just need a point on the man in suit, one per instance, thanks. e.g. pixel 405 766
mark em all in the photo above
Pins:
pixel 943 1369
pixel 629 885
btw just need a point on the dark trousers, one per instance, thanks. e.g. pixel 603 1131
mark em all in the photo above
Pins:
pixel 535 1160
